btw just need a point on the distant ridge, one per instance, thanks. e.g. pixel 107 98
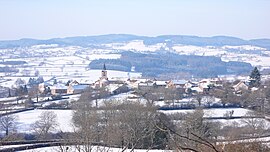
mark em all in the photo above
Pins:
pixel 118 38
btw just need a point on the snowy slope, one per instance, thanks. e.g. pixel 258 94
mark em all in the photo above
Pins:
pixel 25 119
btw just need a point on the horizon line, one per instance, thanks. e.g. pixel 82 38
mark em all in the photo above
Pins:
pixel 153 36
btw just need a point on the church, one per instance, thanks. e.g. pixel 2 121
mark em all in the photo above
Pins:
pixel 103 80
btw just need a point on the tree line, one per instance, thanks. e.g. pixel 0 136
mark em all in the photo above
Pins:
pixel 156 64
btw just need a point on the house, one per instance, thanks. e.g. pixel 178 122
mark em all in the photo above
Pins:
pixel 196 90
pixel 44 86
pixel 146 85
pixel 133 83
pixel 205 87
pixel 190 84
pixel 115 89
pixel 58 89
pixel 75 82
pixel 240 86
pixel 176 84
pixel 160 84
pixel 216 82
pixel 75 89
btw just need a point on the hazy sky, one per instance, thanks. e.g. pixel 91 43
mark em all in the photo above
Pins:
pixel 44 19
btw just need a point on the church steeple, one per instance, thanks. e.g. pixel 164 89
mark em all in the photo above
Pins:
pixel 104 66
pixel 104 72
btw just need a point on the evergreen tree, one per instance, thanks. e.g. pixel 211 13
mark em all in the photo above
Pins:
pixel 69 81
pixel 40 80
pixel 54 81
pixel 9 93
pixel 25 90
pixel 255 78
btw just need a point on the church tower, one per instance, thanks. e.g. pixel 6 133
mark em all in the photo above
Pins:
pixel 104 73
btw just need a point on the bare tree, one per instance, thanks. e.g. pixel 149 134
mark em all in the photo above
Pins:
pixel 85 119
pixel 91 95
pixel 226 94
pixel 152 94
pixel 255 126
pixel 173 94
pixel 126 124
pixel 245 146
pixel 192 133
pixel 199 99
pixel 47 122
pixel 8 123
pixel 137 125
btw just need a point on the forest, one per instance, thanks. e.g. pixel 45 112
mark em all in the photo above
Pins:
pixel 160 63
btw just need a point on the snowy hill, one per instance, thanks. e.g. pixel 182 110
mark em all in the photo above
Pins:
pixel 90 48
pixel 120 38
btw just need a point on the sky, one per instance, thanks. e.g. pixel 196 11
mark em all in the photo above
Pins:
pixel 44 19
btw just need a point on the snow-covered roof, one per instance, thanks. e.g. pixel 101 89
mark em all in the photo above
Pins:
pixel 254 89
pixel 161 83
pixel 240 84
pixel 113 87
pixel 47 83
pixel 204 85
pixel 197 89
pixel 59 86
pixel 80 87
pixel 85 81
pixel 179 82
pixel 204 80
pixel 146 84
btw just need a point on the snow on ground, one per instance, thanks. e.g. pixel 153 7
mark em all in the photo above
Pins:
pixel 255 59
pixel 218 112
pixel 95 149
pixel 137 45
pixel 237 112
pixel 243 122
pixel 102 56
pixel 64 117
pixel 12 79
pixel 265 140
pixel 64 68
pixel 25 119
pixel 12 146
pixel 82 76
pixel 70 99
pixel 197 50
pixel 8 99
pixel 244 47
pixel 82 55
pixel 223 112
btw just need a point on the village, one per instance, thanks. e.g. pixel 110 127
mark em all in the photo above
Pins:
pixel 166 94
pixel 40 91
pixel 57 85
pixel 222 99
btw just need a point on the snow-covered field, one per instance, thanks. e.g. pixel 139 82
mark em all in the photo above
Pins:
pixel 257 56
pixel 12 146
pixel 64 117
pixel 25 119
pixel 63 69
pixel 94 149
pixel 219 112
pixel 72 62
pixel 224 114
pixel 71 98
pixel 243 122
